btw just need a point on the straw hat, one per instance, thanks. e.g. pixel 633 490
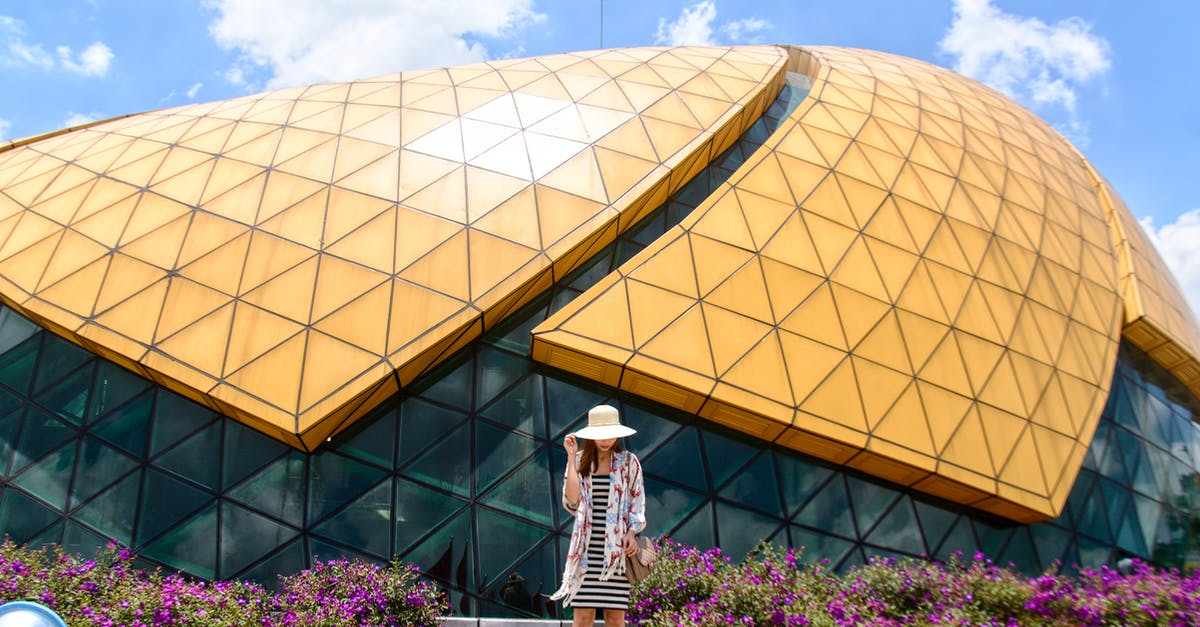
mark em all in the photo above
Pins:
pixel 603 423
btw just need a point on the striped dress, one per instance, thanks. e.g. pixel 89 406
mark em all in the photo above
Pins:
pixel 614 593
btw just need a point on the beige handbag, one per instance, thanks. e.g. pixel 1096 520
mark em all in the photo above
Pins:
pixel 640 565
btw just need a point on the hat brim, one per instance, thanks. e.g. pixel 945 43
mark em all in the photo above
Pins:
pixel 605 432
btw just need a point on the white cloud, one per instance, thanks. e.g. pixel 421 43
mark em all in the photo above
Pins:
pixel 5 125
pixel 93 61
pixel 77 119
pixel 1034 62
pixel 16 51
pixel 193 90
pixel 1176 242
pixel 694 27
pixel 298 42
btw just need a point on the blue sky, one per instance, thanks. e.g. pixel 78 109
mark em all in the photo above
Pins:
pixel 1116 79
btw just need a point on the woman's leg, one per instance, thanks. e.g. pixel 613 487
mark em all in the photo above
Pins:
pixel 614 618
pixel 585 617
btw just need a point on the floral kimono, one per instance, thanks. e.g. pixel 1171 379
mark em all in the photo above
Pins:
pixel 626 512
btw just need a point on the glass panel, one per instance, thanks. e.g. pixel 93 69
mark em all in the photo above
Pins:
pixel 128 426
pixel 495 371
pixel 364 523
pixel 113 511
pixel 447 555
pixel 527 492
pixel 81 540
pixel 527 588
pixel 755 486
pixel 113 386
pixel 652 430
pixel 290 559
pixel 22 517
pixel 324 552
pixel 166 501
pixel 497 452
pixel 898 529
pixel 418 511
pixel 798 479
pixel 175 417
pixel 98 467
pixel 373 437
pixel 246 450
pixel 447 465
pixel 724 456
pixel 14 329
pixel 502 542
pixel 40 434
pixel 1129 535
pixel 819 547
pixel 16 364
pixel 992 537
pixel 1051 543
pixel 829 509
pixel 568 404
pixel 246 536
pixel 935 521
pixel 69 397
pixel 1116 499
pixel 451 383
pixel 421 423
pixel 698 530
pixel 10 428
pixel 741 529
pixel 1020 553
pixel 190 546
pixel 277 490
pixel 193 458
pixel 679 460
pixel 870 501
pixel 335 480
pixel 58 358
pixel 961 539
pixel 522 408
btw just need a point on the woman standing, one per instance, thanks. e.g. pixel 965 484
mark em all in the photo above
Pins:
pixel 603 489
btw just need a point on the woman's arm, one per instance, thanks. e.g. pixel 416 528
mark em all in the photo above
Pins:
pixel 571 489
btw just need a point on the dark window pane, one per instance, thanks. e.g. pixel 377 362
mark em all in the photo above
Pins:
pixel 697 530
pixel 40 434
pixel 373 438
pixel 495 371
pixel 447 465
pixel 128 426
pixel 667 506
pixel 98 467
pixel 1051 543
pixel 755 487
pixel 898 529
pixel 448 554
pixel 679 460
pixel 277 490
pixel 112 512
pixel 290 559
pixel 798 479
pixel 247 536
pixel 176 417
pixel 421 424
pixel 47 479
pixel 741 529
pixel 69 398
pixel 819 546
pixel 497 452
pixel 935 521
pixel 725 456
pixel 334 481
pixel 246 450
pixel 190 545
pixel 829 509
pixel 58 358
pixel 16 364
pixel 420 510
pixel 527 492
pixel 113 386
pixel 193 458
pixel 364 523
pixel 521 408
pixel 870 501
pixel 165 502
pixel 503 541
pixel 568 404
pixel 22 517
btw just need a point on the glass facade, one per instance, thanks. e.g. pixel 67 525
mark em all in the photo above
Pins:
pixel 460 474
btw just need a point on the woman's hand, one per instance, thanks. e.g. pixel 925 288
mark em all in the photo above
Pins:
pixel 630 545
pixel 571 445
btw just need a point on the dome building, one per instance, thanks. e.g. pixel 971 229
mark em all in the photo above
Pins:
pixel 851 301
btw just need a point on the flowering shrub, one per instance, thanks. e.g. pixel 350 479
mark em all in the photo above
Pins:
pixel 771 587
pixel 108 591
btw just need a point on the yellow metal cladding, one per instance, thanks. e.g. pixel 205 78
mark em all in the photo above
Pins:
pixel 293 258
pixel 914 277
pixel 1158 319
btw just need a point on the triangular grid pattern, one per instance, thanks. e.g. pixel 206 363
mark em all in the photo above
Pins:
pixel 279 255
pixel 932 271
